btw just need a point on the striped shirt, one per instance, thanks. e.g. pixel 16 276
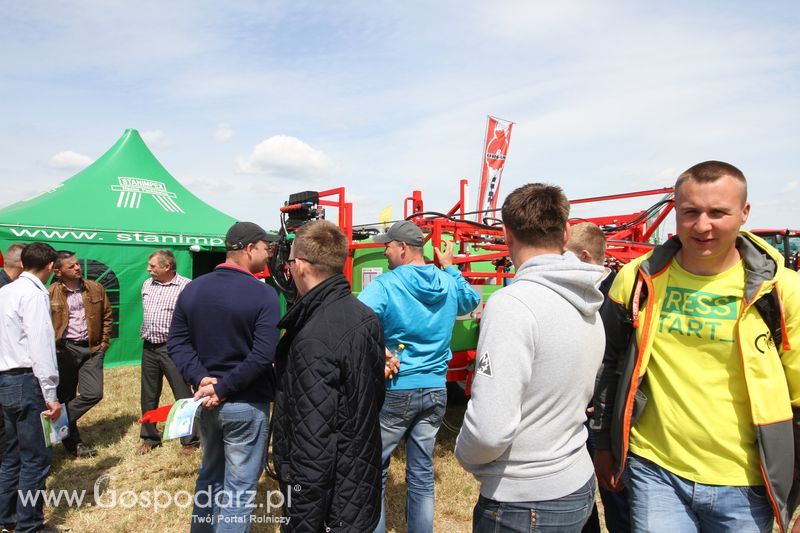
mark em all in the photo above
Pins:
pixel 158 303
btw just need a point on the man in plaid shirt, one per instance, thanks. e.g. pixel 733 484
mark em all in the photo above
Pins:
pixel 159 294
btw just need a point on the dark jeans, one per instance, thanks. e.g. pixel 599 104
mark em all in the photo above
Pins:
pixel 27 461
pixel 615 506
pixel 80 385
pixel 563 515
pixel 2 435
pixel 155 365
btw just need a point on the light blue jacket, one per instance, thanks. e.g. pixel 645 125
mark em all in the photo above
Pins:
pixel 417 306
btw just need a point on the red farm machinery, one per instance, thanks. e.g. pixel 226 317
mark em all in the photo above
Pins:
pixel 481 253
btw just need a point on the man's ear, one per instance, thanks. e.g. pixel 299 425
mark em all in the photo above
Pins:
pixel 508 236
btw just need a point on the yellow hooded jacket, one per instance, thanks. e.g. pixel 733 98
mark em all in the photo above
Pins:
pixel 772 372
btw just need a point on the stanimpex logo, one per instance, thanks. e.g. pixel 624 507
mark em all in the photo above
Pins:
pixel 132 189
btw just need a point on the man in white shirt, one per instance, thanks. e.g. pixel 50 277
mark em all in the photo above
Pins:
pixel 28 382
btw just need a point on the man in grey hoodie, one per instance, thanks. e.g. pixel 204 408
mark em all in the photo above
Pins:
pixel 540 346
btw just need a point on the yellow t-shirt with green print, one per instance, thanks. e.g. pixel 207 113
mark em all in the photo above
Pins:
pixel 697 423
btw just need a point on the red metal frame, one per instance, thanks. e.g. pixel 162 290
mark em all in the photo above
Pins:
pixel 624 243
pixel 631 242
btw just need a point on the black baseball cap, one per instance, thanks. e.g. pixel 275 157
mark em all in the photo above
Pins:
pixel 403 231
pixel 243 233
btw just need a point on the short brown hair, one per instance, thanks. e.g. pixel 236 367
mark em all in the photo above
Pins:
pixel 324 246
pixel 165 259
pixel 36 256
pixel 587 236
pixel 711 171
pixel 12 257
pixel 537 215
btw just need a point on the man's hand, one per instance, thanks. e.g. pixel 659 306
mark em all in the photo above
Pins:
pixel 604 468
pixel 796 526
pixel 392 365
pixel 53 411
pixel 209 395
pixel 208 380
pixel 445 258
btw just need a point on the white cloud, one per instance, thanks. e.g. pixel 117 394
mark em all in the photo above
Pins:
pixel 70 160
pixel 223 133
pixel 156 139
pixel 791 186
pixel 287 157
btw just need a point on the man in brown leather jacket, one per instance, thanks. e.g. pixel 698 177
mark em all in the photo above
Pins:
pixel 82 322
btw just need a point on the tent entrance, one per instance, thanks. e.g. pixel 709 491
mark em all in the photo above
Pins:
pixel 204 262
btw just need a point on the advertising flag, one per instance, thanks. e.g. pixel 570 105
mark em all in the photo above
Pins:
pixel 498 135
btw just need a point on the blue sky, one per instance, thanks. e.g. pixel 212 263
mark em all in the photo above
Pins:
pixel 247 102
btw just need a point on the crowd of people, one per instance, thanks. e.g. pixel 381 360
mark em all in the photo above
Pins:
pixel 672 385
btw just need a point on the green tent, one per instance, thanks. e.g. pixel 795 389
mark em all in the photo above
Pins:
pixel 113 215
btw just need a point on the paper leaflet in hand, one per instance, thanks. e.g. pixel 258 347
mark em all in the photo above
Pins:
pixel 55 431
pixel 181 418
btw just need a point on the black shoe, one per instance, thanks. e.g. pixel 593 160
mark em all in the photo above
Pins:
pixel 46 528
pixel 82 451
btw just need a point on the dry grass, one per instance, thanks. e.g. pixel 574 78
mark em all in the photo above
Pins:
pixel 112 428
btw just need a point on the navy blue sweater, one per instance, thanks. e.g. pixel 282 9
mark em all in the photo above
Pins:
pixel 224 326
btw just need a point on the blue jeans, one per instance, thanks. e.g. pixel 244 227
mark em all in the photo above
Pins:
pixel 27 460
pixel 416 415
pixel 566 514
pixel 234 437
pixel 662 501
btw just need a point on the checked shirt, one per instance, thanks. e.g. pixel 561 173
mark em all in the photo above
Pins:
pixel 158 303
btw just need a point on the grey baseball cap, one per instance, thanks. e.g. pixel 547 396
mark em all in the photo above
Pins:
pixel 403 231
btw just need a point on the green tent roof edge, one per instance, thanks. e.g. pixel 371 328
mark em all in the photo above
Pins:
pixel 129 135
pixel 141 232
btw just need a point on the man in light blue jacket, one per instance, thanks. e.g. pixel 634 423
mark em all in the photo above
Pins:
pixel 417 304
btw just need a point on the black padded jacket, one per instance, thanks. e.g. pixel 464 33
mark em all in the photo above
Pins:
pixel 326 426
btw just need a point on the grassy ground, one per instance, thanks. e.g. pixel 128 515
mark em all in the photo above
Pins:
pixel 118 474
pixel 118 483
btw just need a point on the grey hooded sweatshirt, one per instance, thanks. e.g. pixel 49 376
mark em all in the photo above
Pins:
pixel 540 346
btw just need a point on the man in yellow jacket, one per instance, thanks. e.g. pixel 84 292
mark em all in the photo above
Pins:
pixel 698 400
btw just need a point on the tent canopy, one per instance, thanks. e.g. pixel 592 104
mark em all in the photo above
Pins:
pixel 126 192
pixel 113 215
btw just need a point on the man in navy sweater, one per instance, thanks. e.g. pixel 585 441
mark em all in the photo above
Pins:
pixel 223 339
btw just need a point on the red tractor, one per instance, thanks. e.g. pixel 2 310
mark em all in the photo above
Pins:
pixel 787 242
